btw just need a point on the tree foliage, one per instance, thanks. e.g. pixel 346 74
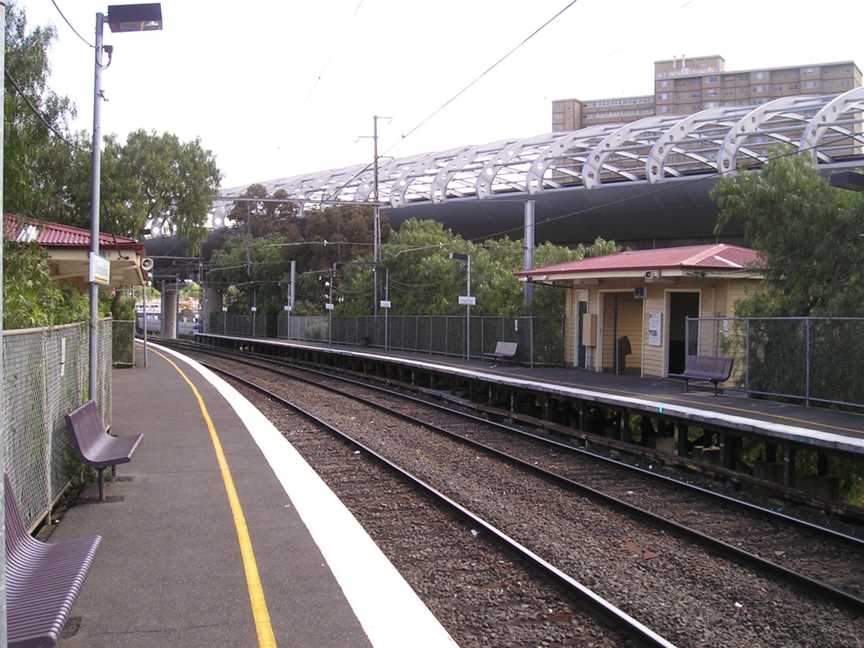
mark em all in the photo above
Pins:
pixel 810 236
pixel 423 280
pixel 34 169
pixel 148 179
pixel 31 298
pixel 257 253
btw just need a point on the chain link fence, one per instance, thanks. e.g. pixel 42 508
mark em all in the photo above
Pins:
pixel 817 359
pixel 540 340
pixel 45 373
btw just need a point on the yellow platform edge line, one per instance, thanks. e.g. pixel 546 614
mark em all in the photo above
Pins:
pixel 257 600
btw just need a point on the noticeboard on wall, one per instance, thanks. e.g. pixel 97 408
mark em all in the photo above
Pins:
pixel 655 328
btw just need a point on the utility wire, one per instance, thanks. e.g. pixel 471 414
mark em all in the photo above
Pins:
pixel 489 69
pixel 333 51
pixel 36 111
pixel 77 33
pixel 440 108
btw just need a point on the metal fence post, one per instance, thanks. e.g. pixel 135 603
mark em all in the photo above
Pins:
pixel 807 323
pixel 531 341
pixel 747 356
pixel 686 339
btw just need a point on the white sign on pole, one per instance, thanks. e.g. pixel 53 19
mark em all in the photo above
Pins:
pixel 467 300
pixel 224 309
pixel 100 270
pixel 254 309
pixel 328 306
pixel 385 303
pixel 655 328
pixel 287 308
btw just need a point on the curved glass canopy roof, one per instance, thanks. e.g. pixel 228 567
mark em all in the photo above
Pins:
pixel 652 150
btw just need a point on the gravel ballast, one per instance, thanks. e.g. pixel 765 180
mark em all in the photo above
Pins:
pixel 690 596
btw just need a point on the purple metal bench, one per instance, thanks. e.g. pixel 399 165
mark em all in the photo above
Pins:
pixel 96 447
pixel 705 369
pixel 42 580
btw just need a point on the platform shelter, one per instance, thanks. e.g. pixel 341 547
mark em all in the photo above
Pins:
pixel 626 313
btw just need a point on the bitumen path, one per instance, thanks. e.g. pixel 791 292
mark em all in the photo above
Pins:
pixel 169 571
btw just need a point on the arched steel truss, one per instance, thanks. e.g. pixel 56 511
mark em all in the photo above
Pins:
pixel 654 150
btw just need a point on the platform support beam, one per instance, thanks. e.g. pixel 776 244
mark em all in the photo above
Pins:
pixel 682 442
pixel 822 464
pixel 732 444
pixel 789 465
pixel 623 426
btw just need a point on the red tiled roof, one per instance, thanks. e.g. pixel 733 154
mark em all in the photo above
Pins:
pixel 47 234
pixel 704 257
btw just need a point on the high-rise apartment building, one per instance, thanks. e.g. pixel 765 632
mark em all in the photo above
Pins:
pixel 687 85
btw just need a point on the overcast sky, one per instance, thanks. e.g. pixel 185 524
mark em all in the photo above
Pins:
pixel 244 76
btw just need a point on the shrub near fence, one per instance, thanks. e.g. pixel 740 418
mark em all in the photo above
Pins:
pixel 808 358
pixel 46 376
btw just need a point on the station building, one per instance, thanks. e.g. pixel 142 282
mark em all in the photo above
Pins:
pixel 626 313
pixel 68 250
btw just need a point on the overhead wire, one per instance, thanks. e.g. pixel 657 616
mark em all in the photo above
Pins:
pixel 453 98
pixel 480 76
pixel 38 113
pixel 71 26
pixel 333 51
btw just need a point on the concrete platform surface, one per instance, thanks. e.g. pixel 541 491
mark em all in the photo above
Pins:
pixel 169 571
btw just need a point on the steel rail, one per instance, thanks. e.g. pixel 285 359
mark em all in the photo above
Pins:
pixel 666 479
pixel 730 551
pixel 612 614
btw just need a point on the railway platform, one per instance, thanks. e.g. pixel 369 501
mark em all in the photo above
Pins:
pixel 797 445
pixel 219 534
pixel 817 426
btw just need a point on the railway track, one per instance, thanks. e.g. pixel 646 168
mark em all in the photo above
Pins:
pixel 551 461
pixel 627 630
pixel 825 560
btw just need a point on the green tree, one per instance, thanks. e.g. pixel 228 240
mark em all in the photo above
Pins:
pixel 161 181
pixel 259 218
pixel 37 163
pixel 809 234
pixel 254 268
pixel 149 178
pixel 423 279
pixel 31 298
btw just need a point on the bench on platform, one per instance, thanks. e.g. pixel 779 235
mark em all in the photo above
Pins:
pixel 705 369
pixel 42 580
pixel 96 447
pixel 503 351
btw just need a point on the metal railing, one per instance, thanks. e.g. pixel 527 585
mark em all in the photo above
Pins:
pixel 540 340
pixel 45 374
pixel 812 359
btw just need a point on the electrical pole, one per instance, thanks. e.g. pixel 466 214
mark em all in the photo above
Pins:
pixel 376 217
pixel 96 162
pixel 3 457
pixel 528 254
pixel 376 222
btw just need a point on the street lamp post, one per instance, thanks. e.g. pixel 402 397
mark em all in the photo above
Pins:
pixel 121 18
pixel 468 300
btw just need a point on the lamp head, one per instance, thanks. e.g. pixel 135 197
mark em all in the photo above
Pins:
pixel 136 17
